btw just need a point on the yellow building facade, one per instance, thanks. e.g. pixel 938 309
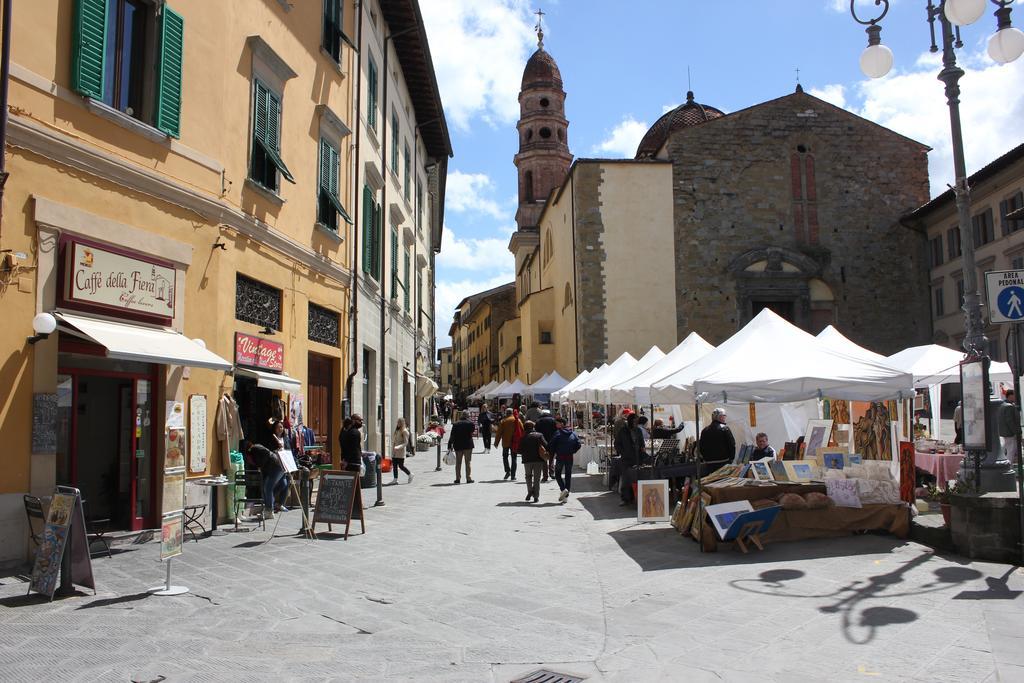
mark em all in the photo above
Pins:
pixel 179 200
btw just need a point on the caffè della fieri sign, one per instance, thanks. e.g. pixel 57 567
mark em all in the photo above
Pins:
pixel 118 281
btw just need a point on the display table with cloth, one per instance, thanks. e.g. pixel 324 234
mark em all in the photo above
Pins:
pixel 944 466
pixel 794 525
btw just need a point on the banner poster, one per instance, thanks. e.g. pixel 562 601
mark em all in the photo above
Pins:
pixel 174 435
pixel 197 433
pixel 171 536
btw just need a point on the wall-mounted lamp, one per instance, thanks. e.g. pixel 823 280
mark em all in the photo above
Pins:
pixel 266 330
pixel 199 342
pixel 220 245
pixel 43 325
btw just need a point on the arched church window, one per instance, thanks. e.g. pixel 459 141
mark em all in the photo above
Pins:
pixel 529 134
pixel 545 133
pixel 528 186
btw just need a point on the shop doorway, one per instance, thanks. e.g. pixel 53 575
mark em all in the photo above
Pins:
pixel 319 410
pixel 106 444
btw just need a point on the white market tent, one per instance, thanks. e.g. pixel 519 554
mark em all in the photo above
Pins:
pixel 499 390
pixel 772 361
pixel 600 391
pixel 516 387
pixel 548 384
pixel 583 392
pixel 933 364
pixel 479 393
pixel 835 340
pixel 637 388
pixel 579 379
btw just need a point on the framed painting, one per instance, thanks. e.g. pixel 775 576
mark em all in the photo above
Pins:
pixel 652 500
pixel 761 471
pixel 800 470
pixel 974 382
pixel 833 460
pixel 817 437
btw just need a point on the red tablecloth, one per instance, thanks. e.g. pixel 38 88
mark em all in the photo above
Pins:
pixel 944 466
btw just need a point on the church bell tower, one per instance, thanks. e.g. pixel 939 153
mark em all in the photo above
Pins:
pixel 544 158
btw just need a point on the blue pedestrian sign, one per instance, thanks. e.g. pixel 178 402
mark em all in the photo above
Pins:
pixel 1005 295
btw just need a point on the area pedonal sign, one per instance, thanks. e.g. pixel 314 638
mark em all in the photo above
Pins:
pixel 1005 295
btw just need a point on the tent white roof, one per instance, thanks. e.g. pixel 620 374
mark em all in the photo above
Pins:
pixel 637 388
pixel 932 364
pixel 582 391
pixel 773 361
pixel 516 387
pixel 600 391
pixel 560 395
pixel 835 340
pixel 497 391
pixel 479 393
pixel 548 384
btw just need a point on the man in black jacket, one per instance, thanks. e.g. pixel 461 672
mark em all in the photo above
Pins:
pixel 351 442
pixel 546 426
pixel 485 421
pixel 716 440
pixel 460 440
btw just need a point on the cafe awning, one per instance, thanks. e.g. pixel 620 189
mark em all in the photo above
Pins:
pixel 271 380
pixel 126 341
pixel 425 386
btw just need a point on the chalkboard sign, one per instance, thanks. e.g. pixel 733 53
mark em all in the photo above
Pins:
pixel 44 423
pixel 338 499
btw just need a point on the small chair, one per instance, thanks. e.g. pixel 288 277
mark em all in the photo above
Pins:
pixel 250 480
pixel 192 519
pixel 34 511
pixel 95 528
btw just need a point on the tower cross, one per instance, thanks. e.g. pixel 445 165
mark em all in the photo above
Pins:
pixel 540 27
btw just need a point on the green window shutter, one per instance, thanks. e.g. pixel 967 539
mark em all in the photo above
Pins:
pixel 324 174
pixel 89 45
pixel 394 142
pixel 405 279
pixel 378 237
pixel 406 168
pixel 394 263
pixel 367 227
pixel 267 128
pixel 169 73
pixel 371 94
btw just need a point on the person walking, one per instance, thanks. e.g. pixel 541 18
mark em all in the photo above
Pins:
pixel 546 426
pixel 533 448
pixel 506 437
pixel 533 413
pixel 350 439
pixel 399 449
pixel 485 420
pixel 460 440
pixel 563 446
pixel 629 444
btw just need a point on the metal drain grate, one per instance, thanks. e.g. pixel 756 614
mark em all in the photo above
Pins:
pixel 545 676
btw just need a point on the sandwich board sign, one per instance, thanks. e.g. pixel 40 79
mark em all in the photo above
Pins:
pixel 1005 290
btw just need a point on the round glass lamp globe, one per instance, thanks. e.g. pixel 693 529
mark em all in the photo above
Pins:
pixel 1006 45
pixel 964 12
pixel 200 342
pixel 875 61
pixel 44 323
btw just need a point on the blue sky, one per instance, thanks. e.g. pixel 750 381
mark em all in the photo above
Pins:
pixel 625 63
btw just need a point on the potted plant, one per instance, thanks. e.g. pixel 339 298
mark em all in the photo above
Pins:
pixel 953 487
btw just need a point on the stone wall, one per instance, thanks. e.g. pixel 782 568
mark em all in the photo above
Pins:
pixel 591 297
pixel 743 183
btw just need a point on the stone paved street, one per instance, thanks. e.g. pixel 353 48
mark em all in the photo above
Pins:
pixel 469 583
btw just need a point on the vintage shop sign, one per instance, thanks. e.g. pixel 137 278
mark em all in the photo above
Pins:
pixel 256 352
pixel 111 280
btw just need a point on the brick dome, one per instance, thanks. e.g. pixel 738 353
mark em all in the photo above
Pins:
pixel 689 113
pixel 541 70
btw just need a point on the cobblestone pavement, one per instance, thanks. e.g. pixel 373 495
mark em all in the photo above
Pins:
pixel 470 583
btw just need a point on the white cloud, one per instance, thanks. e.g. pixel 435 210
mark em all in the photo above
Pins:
pixel 467 192
pixel 913 103
pixel 834 93
pixel 450 292
pixel 479 48
pixel 489 253
pixel 624 138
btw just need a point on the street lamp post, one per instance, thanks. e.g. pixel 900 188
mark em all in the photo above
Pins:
pixel 1006 45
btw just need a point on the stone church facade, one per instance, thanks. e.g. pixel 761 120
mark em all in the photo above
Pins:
pixel 792 204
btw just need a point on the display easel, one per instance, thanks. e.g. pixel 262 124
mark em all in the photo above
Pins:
pixel 65 547
pixel 289 466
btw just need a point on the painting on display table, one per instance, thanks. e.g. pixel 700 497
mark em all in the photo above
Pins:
pixel 871 433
